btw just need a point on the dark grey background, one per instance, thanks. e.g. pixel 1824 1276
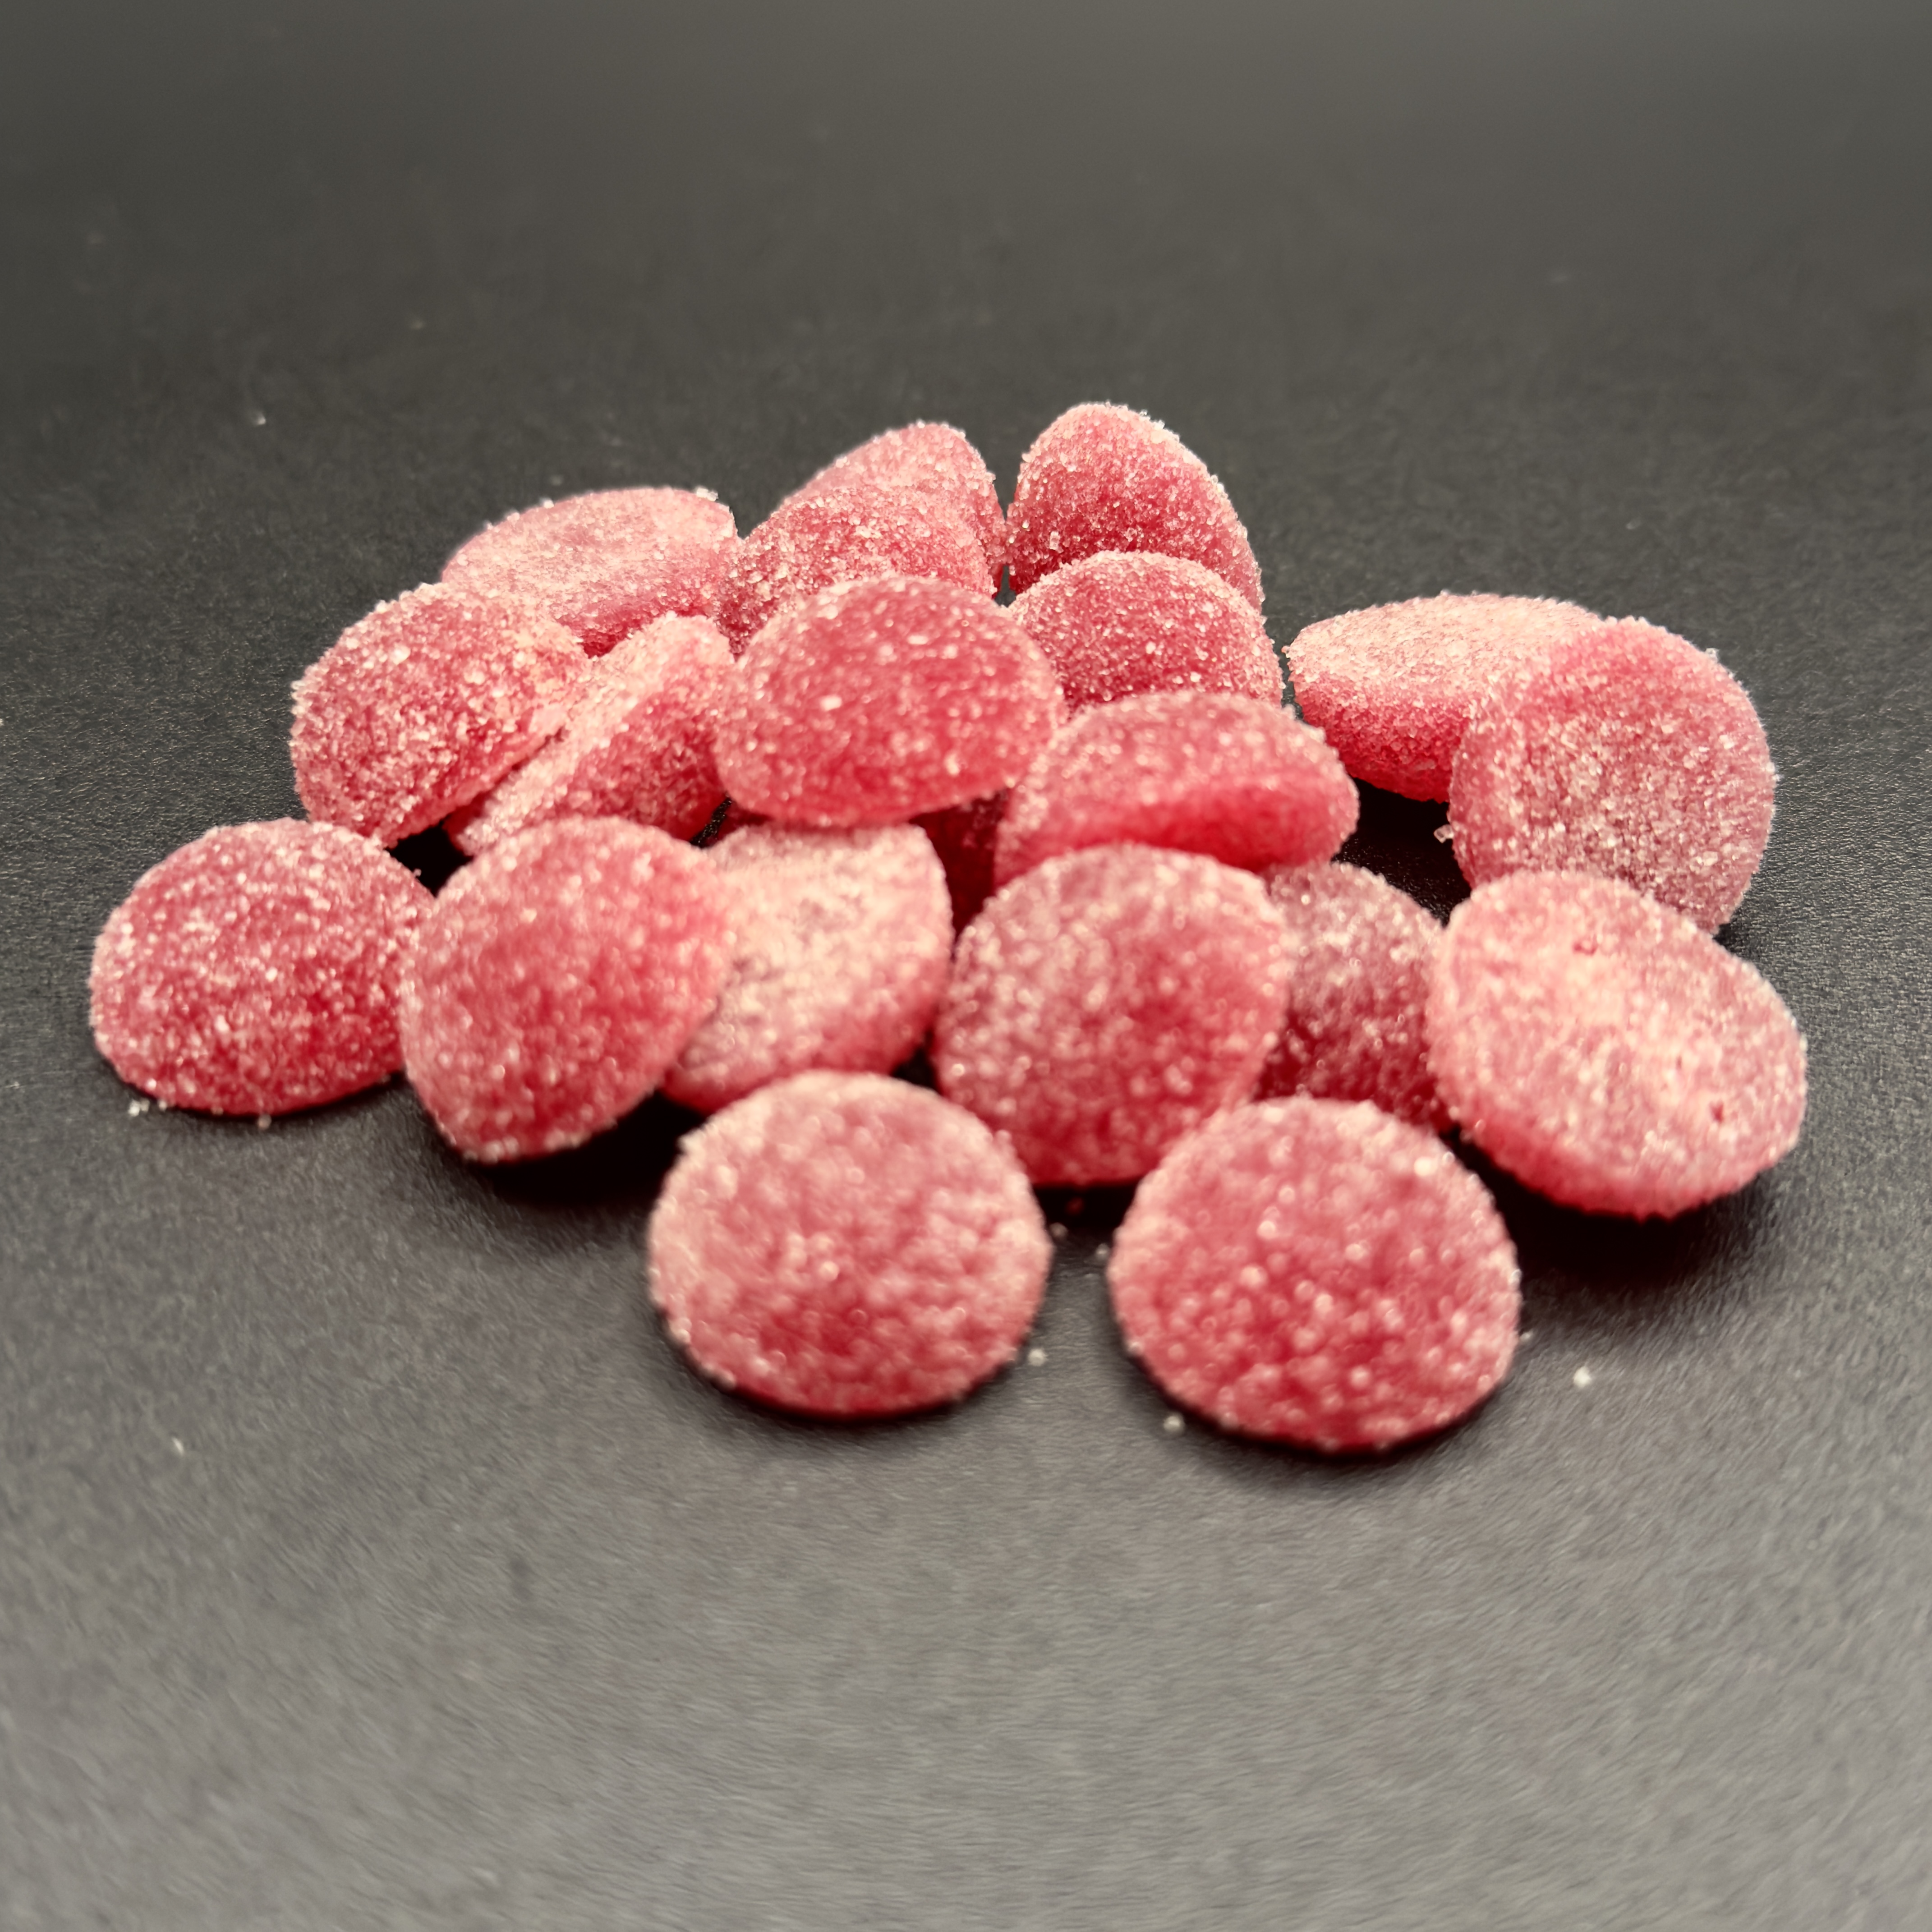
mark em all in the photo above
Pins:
pixel 367 1558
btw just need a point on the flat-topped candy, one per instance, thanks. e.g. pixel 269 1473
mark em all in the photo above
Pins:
pixel 1606 1051
pixel 846 1245
pixel 1310 1272
pixel 256 970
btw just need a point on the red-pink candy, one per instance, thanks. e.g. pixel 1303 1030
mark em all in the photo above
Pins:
pixel 873 702
pixel 1606 1051
pixel 1360 953
pixel 555 981
pixel 842 944
pixel 1104 1003
pixel 255 970
pixel 860 530
pixel 935 460
pixel 605 564
pixel 1120 623
pixel 424 705
pixel 846 1245
pixel 1626 752
pixel 1195 771
pixel 1393 687
pixel 963 836
pixel 637 743
pixel 1315 1273
pixel 1104 478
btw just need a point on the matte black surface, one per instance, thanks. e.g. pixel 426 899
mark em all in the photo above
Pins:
pixel 367 1558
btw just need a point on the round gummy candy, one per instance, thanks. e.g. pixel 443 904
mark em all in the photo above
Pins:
pixel 1196 771
pixel 255 971
pixel 556 979
pixel 604 564
pixel 934 460
pixel 1103 478
pixel 846 1245
pixel 1360 953
pixel 1118 624
pixel 1311 1272
pixel 1605 1051
pixel 637 743
pixel 1393 687
pixel 841 941
pixel 1625 751
pixel 1106 1002
pixel 963 836
pixel 872 702
pixel 424 705
pixel 860 530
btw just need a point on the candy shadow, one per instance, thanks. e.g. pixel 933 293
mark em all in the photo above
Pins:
pixel 623 1168
pixel 431 856
pixel 1395 837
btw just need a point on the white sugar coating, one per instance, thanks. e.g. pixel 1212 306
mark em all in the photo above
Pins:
pixel 872 702
pixel 1393 686
pixel 1104 1003
pixel 1312 1272
pixel 846 1245
pixel 604 564
pixel 1198 771
pixel 637 743
pixel 1625 751
pixel 934 459
pixel 1360 954
pixel 841 941
pixel 424 705
pixel 556 979
pixel 1606 1051
pixel 255 970
pixel 1121 622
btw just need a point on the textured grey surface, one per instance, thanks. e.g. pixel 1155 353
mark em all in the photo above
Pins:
pixel 368 1559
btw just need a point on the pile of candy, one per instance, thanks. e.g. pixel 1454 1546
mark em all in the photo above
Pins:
pixel 1159 973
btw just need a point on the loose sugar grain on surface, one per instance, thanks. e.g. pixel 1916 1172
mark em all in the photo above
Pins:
pixel 1311 1272
pixel 1606 1052
pixel 846 1245
pixel 256 970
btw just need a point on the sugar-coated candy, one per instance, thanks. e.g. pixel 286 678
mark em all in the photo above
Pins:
pixel 846 1245
pixel 1606 1052
pixel 861 529
pixel 1359 954
pixel 963 836
pixel 840 943
pixel 424 705
pixel 1198 771
pixel 1393 686
pixel 637 743
pixel 1625 751
pixel 606 564
pixel 1107 1001
pixel 1119 623
pixel 872 702
pixel 1104 478
pixel 255 970
pixel 1312 1272
pixel 556 980
pixel 934 460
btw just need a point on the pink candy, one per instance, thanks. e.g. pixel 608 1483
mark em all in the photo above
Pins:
pixel 846 1245
pixel 1116 625
pixel 556 979
pixel 1196 771
pixel 871 703
pixel 842 940
pixel 1105 1003
pixel 606 564
pixel 1605 1051
pixel 1101 477
pixel 1313 1273
pixel 1625 752
pixel 255 970
pixel 424 705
